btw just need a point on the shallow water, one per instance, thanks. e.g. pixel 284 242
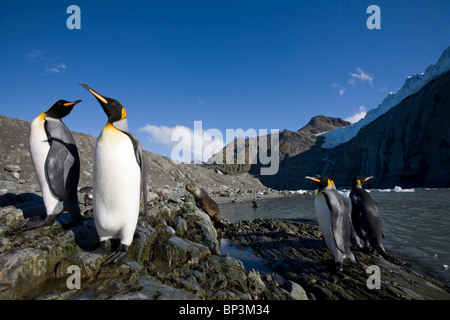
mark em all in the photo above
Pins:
pixel 246 255
pixel 416 225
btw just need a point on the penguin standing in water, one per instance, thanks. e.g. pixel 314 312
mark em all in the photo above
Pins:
pixel 333 216
pixel 366 218
pixel 119 173
pixel 55 159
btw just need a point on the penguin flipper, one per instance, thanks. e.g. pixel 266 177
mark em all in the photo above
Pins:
pixel 58 159
pixel 138 152
pixel 356 216
pixel 62 164
pixel 340 215
pixel 337 226
pixel 143 179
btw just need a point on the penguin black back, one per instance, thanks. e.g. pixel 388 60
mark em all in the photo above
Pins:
pixel 56 163
pixel 366 216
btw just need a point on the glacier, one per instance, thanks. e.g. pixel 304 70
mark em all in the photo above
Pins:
pixel 412 85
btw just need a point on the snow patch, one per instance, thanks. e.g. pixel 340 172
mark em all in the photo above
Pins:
pixel 412 85
pixel 400 189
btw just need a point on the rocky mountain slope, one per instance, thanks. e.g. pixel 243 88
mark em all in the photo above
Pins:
pixel 403 142
pixel 411 86
pixel 291 143
pixel 408 146
pixel 17 173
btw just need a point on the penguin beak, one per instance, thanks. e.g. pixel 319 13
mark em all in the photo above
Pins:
pixel 368 178
pixel 313 179
pixel 99 97
pixel 71 104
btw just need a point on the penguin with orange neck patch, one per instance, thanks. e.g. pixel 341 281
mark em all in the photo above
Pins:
pixel 55 159
pixel 333 216
pixel 366 217
pixel 118 177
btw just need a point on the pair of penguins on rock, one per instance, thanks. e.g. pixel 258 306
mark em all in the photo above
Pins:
pixel 118 173
pixel 341 224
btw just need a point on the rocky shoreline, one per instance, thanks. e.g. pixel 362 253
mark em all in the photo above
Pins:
pixel 297 252
pixel 176 255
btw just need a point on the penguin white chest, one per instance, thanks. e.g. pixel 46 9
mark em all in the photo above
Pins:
pixel 39 148
pixel 323 215
pixel 116 186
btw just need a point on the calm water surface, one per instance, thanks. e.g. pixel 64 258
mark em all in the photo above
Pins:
pixel 416 225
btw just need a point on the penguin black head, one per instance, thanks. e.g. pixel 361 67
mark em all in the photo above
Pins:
pixel 60 109
pixel 359 181
pixel 322 181
pixel 113 109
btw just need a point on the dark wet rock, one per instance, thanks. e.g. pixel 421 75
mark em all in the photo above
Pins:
pixel 149 288
pixel 175 254
pixel 297 252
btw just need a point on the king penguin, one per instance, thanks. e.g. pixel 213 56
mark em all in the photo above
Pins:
pixel 55 159
pixel 366 218
pixel 118 176
pixel 333 216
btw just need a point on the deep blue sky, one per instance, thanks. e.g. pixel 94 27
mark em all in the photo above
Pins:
pixel 232 64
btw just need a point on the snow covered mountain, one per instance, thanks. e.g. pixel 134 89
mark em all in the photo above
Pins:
pixel 412 85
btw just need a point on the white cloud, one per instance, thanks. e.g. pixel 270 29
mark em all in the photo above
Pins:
pixel 361 76
pixel 39 56
pixel 56 68
pixel 357 116
pixel 339 88
pixel 194 144
pixel 35 55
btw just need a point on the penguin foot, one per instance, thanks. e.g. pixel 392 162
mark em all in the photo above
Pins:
pixel 384 255
pixel 339 266
pixel 36 222
pixel 367 250
pixel 116 257
pixel 105 247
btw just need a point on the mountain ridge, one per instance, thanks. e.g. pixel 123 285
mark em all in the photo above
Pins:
pixel 162 172
pixel 408 146
pixel 412 85
pixel 291 143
